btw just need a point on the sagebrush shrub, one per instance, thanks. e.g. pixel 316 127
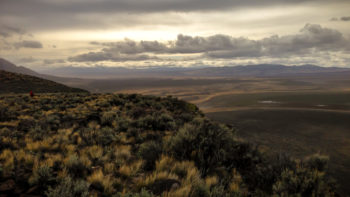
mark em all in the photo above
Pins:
pixel 150 152
pixel 69 188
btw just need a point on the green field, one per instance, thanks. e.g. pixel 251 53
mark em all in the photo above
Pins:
pixel 297 132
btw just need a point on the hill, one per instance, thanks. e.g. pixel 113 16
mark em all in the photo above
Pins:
pixel 20 83
pixel 10 67
pixel 133 145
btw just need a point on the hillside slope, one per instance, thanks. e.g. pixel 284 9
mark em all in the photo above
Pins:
pixel 19 83
pixel 133 145
pixel 10 67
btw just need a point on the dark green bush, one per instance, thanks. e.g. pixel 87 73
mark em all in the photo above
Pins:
pixel 38 133
pixel 69 188
pixel 123 124
pixel 25 125
pixel 143 193
pixel 317 162
pixel 150 152
pixel 303 182
pixel 208 144
pixel 106 136
pixel 42 177
pixel 165 122
pixel 108 118
pixel 75 167
pixel 199 190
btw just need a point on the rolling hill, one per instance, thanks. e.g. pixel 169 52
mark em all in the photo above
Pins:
pixel 10 67
pixel 20 83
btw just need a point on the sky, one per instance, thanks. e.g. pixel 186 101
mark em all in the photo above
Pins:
pixel 45 34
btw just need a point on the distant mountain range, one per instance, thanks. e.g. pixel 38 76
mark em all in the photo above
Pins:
pixel 260 70
pixel 266 70
pixel 100 72
pixel 110 79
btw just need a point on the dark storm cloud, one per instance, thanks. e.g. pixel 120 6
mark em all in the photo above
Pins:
pixel 93 14
pixel 106 56
pixel 312 38
pixel 28 44
pixel 25 7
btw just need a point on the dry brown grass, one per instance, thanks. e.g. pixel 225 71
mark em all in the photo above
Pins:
pixel 130 170
pixel 98 179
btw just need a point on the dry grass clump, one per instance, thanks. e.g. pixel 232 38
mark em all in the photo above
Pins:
pixel 101 181
pixel 26 158
pixel 130 170
pixel 7 161
pixel 211 181
pixel 93 152
pixel 122 153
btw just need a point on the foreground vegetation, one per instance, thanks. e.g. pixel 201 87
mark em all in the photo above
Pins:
pixel 133 145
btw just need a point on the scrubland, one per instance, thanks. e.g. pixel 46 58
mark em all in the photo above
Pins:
pixel 132 145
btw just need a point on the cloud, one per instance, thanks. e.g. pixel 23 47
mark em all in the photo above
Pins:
pixel 106 56
pixel 132 47
pixel 89 14
pixel 8 31
pixel 52 7
pixel 345 18
pixel 188 44
pixel 28 44
pixel 53 61
pixel 312 39
pixel 28 60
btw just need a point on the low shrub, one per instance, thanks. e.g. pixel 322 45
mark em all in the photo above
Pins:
pixel 150 152
pixel 42 176
pixel 68 188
